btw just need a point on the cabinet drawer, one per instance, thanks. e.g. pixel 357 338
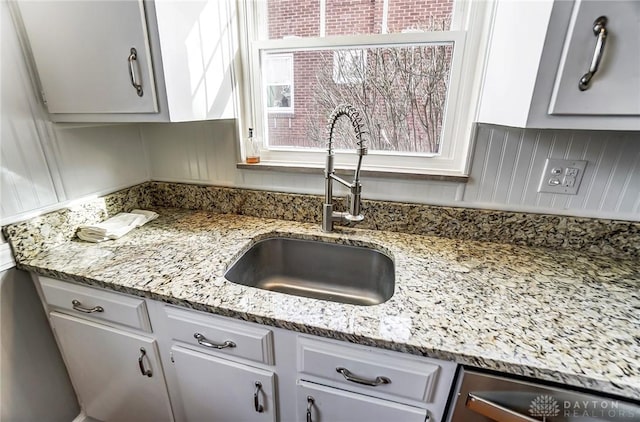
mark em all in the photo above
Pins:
pixel 95 303
pixel 390 373
pixel 219 335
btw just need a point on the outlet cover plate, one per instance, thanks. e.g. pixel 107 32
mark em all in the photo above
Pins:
pixel 562 176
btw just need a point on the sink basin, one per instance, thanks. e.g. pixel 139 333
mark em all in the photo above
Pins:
pixel 315 269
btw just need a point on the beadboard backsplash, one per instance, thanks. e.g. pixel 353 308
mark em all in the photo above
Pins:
pixel 508 163
pixel 506 169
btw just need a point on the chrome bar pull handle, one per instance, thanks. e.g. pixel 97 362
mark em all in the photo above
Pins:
pixel 354 378
pixel 133 60
pixel 310 402
pixel 78 307
pixel 256 402
pixel 146 372
pixel 202 340
pixel 600 31
pixel 494 411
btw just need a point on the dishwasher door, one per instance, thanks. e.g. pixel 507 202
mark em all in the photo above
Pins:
pixel 488 398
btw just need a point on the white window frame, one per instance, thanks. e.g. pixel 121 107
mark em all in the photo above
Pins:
pixel 345 76
pixel 470 46
pixel 291 81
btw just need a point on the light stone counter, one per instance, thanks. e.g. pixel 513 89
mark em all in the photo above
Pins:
pixel 557 315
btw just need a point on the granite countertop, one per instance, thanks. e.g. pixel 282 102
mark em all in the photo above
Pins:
pixel 558 315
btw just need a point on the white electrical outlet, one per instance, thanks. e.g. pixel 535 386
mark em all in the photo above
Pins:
pixel 562 176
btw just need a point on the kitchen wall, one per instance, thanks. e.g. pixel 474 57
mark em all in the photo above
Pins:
pixel 506 169
pixel 26 181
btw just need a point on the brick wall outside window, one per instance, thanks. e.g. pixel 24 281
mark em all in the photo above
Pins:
pixel 343 17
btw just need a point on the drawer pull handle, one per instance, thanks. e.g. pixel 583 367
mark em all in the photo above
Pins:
pixel 309 404
pixel 256 402
pixel 202 340
pixel 600 31
pixel 146 372
pixel 78 307
pixel 354 378
pixel 494 411
pixel 133 60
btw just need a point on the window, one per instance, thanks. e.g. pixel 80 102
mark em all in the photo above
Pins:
pixel 410 67
pixel 349 67
pixel 278 82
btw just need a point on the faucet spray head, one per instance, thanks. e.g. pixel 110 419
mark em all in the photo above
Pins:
pixel 356 121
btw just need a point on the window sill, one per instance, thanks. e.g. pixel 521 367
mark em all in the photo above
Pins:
pixel 316 169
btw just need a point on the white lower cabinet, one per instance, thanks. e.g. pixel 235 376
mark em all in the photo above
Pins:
pixel 117 375
pixel 346 382
pixel 215 389
pixel 134 359
pixel 319 403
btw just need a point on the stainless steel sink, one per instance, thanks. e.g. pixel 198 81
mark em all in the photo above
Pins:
pixel 315 269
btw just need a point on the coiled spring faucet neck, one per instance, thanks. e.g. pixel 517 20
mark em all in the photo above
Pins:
pixel 353 215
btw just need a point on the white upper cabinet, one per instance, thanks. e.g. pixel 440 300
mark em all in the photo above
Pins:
pixel 607 35
pixel 541 50
pixel 132 61
pixel 199 46
pixel 85 51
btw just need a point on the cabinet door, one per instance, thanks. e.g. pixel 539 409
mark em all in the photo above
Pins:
pixel 214 389
pixel 105 369
pixel 615 87
pixel 327 404
pixel 82 54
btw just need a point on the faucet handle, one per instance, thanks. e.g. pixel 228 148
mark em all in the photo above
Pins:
pixel 353 218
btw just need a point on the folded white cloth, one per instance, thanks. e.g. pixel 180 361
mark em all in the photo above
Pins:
pixel 116 226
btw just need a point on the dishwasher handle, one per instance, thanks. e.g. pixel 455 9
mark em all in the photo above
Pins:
pixel 495 411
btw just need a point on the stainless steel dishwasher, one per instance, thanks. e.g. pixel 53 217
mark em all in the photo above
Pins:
pixel 486 398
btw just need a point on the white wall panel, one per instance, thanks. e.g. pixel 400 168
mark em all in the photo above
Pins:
pixel 99 159
pixel 197 152
pixel 6 257
pixel 610 187
pixel 207 153
pixel 25 181
pixel 631 198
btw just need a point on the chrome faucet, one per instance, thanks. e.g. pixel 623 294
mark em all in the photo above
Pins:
pixel 329 216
